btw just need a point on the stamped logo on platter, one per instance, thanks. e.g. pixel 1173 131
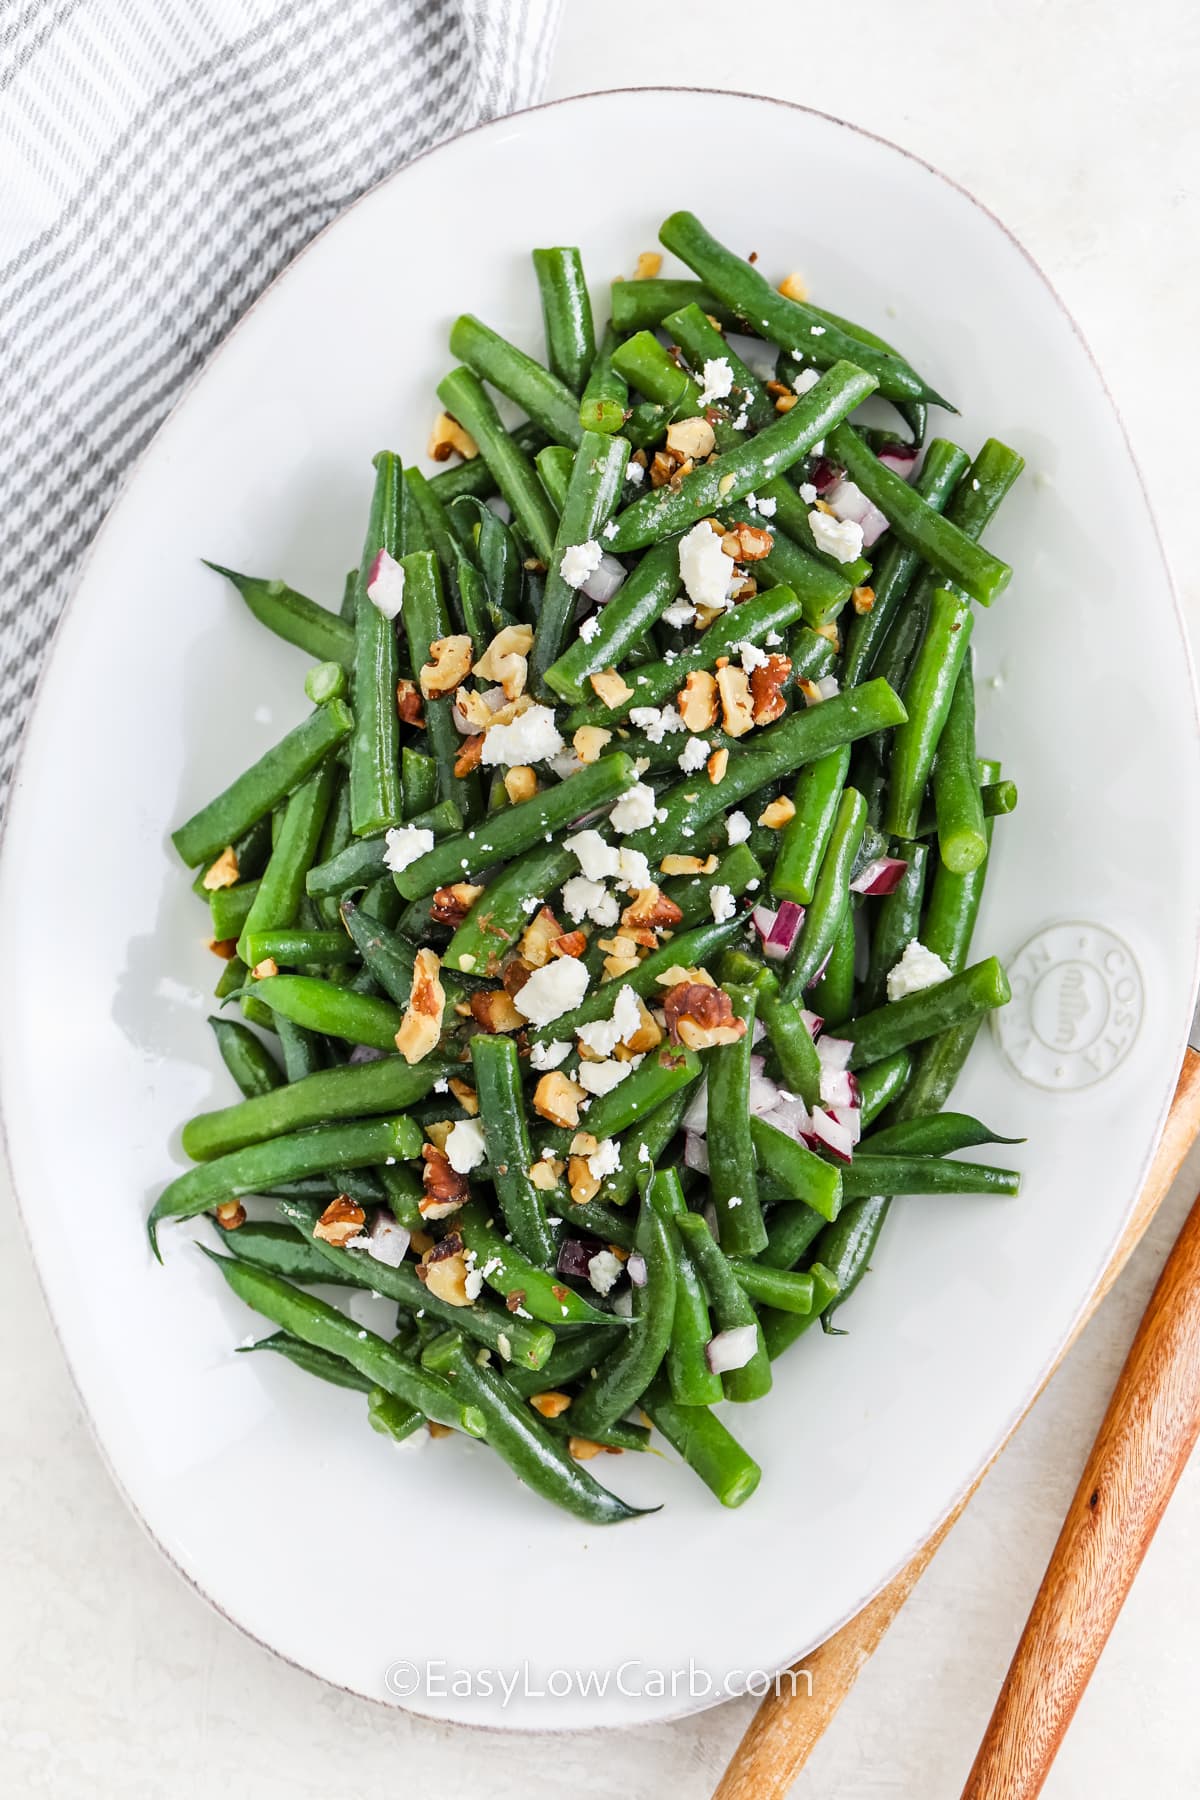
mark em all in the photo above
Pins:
pixel 1076 1006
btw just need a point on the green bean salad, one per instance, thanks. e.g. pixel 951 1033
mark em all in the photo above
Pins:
pixel 601 939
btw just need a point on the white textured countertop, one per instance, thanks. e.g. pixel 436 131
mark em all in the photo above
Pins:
pixel 1075 123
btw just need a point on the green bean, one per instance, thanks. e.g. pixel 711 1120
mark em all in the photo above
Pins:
pixel 781 1329
pixel 438 536
pixel 692 1382
pixel 781 1288
pixel 301 1048
pixel 996 798
pixel 506 1134
pixel 705 1444
pixel 621 1435
pixel 643 1146
pixel 570 1358
pixel 687 948
pixel 930 1010
pixel 352 1091
pixel 389 957
pixel 935 537
pixel 598 1220
pixel 943 467
pixel 277 901
pixel 390 1417
pixel 536 1456
pixel 652 683
pixel 804 838
pixel 375 798
pixel 548 401
pixel 260 1166
pixel 321 1363
pixel 474 478
pixel 641 304
pixel 739 870
pixel 805 1175
pixel 897 923
pixel 299 948
pixel 355 865
pixel 247 1058
pixel 927 696
pixel 831 996
pixel 938 1134
pixel 662 1073
pixel 733 1178
pixel 792 1042
pixel 567 314
pixel 637 606
pixel 554 465
pixel 594 490
pixel 519 827
pixel 498 916
pixel 788 323
pixel 731 1306
pixel 337 1011
pixel 605 398
pixel 867 1174
pixel 954 904
pixel 653 371
pixel 306 1317
pixel 831 896
pixel 326 681
pixel 847 1247
pixel 749 464
pixel 426 621
pixel 419 780
pixel 462 393
pixel 881 1083
pixel 229 908
pixel 962 842
pixel 517 1280
pixel 691 328
pixel 626 1371
pixel 290 616
pixel 262 786
pixel 790 515
pixel 790 1230
pixel 282 1251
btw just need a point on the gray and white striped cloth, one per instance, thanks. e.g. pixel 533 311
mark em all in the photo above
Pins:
pixel 160 161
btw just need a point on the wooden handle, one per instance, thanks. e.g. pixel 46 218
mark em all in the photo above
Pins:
pixel 788 1725
pixel 1149 1431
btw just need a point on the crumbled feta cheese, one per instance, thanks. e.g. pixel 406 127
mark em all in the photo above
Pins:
pixel 605 1160
pixel 840 538
pixel 385 585
pixel 610 530
pixel 602 1077
pixel 405 843
pixel 585 899
pixel 634 472
pixel 604 1271
pixel 707 572
pixel 694 755
pixel 441 1085
pixel 767 507
pixel 808 493
pixel 752 657
pixel 718 380
pixel 603 1035
pixel 733 1200
pixel 589 628
pixel 722 902
pixel 634 810
pixel 644 1155
pixel 578 561
pixel 465 1148
pixel 806 379
pixel 473 1285
pixel 548 1056
pixel 635 870
pixel 737 828
pixel 681 612
pixel 597 859
pixel 817 330
pixel 567 762
pixel 918 968
pixel 656 721
pixel 532 737
pixel 772 639
pixel 554 990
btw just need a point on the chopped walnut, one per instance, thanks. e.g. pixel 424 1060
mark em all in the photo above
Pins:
pixel 778 387
pixel 466 1096
pixel 448 666
pixel 471 707
pixel 493 1010
pixel 437 1131
pixel 223 873
pixel 690 438
pixel 551 1405
pixel 230 1214
pixel 650 908
pixel 443 1269
pixel 647 1037
pixel 812 693
pixel 622 955
pixel 408 702
pixel 777 813
pixel 506 659
pixel 794 287
pixel 267 967
pixel 747 543
pixel 830 633
pixel 450 905
pixel 437 1430
pixel 514 974
pixel 863 599
pixel 421 1026
pixel 342 1220
pixel 545 1173
pixel 610 688
pixel 649 263
pixel 445 1190
pixel 556 1098
pixel 538 936
pixel 697 701
pixel 717 764
pixel 419 1241
pixel 520 782
pixel 225 948
pixel 449 437
pixel 745 589
pixel 767 683
pixel 676 973
pixel 662 468
pixel 737 712
pixel 584 1144
pixel 688 865
pixel 470 755
pixel 571 943
pixel 700 1016
pixel 786 402
pixel 589 741
pixel 582 1185
pixel 583 1449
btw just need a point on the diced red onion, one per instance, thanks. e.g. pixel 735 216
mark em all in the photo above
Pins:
pixel 635 1268
pixel 879 877
pixel 824 475
pixel 759 1032
pixel 695 1152
pixel 850 1118
pixel 363 1053
pixel 708 1213
pixel 838 1088
pixel 830 1132
pixel 385 585
pixel 763 1093
pixel 389 1240
pixel 834 1052
pixel 778 930
pixel 731 1349
pixel 829 687
pixel 574 1255
pixel 813 1020
pixel 494 698
pixel 790 1115
pixel 901 459
pixel 604 581
pixel 849 502
pixel 696 1117
pixel 821 971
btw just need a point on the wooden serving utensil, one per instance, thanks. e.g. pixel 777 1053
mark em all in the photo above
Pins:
pixel 788 1725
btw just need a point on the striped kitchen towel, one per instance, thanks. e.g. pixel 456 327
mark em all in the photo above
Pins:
pixel 160 161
